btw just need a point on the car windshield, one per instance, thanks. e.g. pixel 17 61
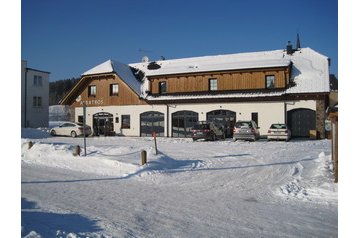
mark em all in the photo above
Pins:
pixel 79 124
pixel 201 127
pixel 243 124
pixel 278 126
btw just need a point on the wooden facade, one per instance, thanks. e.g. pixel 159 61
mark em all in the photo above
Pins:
pixel 80 94
pixel 226 80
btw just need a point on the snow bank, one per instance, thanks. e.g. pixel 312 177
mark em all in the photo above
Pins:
pixel 319 187
pixel 119 161
pixel 62 157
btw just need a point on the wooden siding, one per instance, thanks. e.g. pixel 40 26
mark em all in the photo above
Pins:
pixel 227 81
pixel 126 96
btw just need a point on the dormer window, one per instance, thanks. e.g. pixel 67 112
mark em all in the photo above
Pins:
pixel 213 84
pixel 270 81
pixel 162 87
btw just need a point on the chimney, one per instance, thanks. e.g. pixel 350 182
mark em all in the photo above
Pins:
pixel 298 43
pixel 289 48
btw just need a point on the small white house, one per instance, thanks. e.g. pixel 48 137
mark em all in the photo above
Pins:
pixel 169 96
pixel 34 96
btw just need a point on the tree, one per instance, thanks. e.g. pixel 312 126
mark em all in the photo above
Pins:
pixel 60 88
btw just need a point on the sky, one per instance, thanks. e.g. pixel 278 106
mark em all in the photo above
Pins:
pixel 67 38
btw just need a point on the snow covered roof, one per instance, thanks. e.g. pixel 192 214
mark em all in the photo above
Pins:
pixel 310 71
pixel 122 70
pixel 210 63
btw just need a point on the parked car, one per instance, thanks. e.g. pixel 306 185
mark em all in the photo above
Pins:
pixel 246 130
pixel 207 131
pixel 279 131
pixel 73 129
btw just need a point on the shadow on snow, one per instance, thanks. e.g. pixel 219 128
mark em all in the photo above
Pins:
pixel 48 224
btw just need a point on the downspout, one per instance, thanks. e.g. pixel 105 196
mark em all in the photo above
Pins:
pixel 167 120
pixel 285 112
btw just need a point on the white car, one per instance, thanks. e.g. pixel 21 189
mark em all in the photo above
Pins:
pixel 73 129
pixel 279 131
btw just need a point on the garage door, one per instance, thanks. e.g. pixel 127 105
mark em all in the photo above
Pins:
pixel 151 122
pixel 182 122
pixel 225 118
pixel 301 121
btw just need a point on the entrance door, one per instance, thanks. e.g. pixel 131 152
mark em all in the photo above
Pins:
pixel 182 122
pixel 301 121
pixel 103 124
pixel 224 118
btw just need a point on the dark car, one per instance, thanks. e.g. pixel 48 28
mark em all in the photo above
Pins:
pixel 246 130
pixel 207 131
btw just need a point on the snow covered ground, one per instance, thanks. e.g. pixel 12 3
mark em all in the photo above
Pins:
pixel 201 189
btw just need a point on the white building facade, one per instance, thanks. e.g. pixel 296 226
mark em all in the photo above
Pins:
pixel 34 97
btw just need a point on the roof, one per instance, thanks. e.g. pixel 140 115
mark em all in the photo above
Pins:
pixel 37 70
pixel 122 70
pixel 310 72
pixel 211 63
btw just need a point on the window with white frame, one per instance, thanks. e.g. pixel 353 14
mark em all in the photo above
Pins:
pixel 113 89
pixel 270 81
pixel 162 87
pixel 213 84
pixel 92 91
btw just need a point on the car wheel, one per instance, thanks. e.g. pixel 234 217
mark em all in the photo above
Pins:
pixel 53 132
pixel 234 139
pixel 194 139
pixel 73 134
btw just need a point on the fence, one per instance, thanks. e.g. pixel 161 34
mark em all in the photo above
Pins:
pixel 334 132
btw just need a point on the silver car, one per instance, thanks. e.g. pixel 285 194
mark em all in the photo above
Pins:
pixel 279 131
pixel 246 130
pixel 73 129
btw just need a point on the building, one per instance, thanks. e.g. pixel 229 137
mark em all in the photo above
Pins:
pixel 169 96
pixel 34 96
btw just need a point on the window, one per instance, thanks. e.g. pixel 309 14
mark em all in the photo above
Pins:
pixel 113 90
pixel 213 84
pixel 126 122
pixel 92 91
pixel 270 81
pixel 80 119
pixel 117 119
pixel 36 101
pixel 255 117
pixel 162 87
pixel 37 80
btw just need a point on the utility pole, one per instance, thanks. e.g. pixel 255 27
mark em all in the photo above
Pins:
pixel 84 126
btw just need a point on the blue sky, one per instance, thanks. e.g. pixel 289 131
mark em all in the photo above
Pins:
pixel 68 37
